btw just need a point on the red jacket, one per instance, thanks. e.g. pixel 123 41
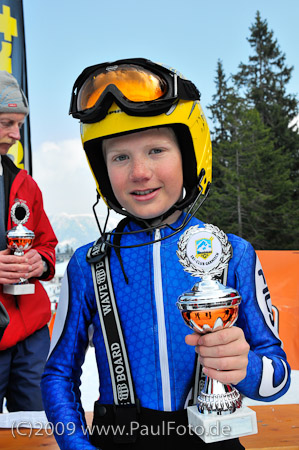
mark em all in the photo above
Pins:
pixel 28 313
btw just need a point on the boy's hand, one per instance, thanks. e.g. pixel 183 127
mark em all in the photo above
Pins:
pixel 12 267
pixel 223 354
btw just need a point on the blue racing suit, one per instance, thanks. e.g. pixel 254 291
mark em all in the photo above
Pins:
pixel 162 365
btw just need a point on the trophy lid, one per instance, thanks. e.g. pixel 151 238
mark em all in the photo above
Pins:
pixel 20 232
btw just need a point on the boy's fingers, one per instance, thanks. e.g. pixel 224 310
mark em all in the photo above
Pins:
pixel 221 337
pixel 192 339
pixel 225 364
pixel 235 348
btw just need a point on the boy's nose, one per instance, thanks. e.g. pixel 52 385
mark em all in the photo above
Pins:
pixel 140 170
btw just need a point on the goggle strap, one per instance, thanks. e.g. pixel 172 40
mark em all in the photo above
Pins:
pixel 187 90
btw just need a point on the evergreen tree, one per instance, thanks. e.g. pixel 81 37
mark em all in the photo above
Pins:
pixel 219 107
pixel 255 153
pixel 243 200
pixel 212 207
pixel 265 78
pixel 221 207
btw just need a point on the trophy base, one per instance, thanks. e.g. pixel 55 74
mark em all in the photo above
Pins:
pixel 19 289
pixel 213 428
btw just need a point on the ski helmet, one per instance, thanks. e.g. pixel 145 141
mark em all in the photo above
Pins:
pixel 130 95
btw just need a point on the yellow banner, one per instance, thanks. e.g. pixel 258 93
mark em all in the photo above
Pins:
pixel 13 60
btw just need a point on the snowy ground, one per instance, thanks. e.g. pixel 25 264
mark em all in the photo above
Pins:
pixel 90 393
pixel 90 386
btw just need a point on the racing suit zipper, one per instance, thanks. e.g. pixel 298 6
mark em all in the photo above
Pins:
pixel 163 353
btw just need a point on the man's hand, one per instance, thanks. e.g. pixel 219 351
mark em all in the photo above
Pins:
pixel 36 268
pixel 12 267
pixel 223 354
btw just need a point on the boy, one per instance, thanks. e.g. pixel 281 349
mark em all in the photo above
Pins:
pixel 147 142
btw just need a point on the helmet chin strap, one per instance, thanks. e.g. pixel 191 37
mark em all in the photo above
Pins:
pixel 149 226
pixel 155 222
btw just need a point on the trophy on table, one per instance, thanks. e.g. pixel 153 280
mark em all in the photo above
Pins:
pixel 19 239
pixel 209 306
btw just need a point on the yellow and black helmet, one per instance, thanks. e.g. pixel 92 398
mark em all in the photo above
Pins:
pixel 129 95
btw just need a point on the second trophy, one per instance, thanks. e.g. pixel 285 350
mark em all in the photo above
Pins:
pixel 210 306
pixel 19 239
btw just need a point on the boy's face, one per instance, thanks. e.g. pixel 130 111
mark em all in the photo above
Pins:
pixel 145 171
pixel 10 124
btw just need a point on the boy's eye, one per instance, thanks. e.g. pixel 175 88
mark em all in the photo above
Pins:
pixel 156 150
pixel 121 158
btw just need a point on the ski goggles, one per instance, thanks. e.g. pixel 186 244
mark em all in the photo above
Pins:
pixel 138 86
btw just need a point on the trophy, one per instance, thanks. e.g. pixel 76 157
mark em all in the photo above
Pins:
pixel 210 305
pixel 19 239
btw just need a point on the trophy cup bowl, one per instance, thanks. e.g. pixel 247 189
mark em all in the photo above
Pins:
pixel 19 239
pixel 208 307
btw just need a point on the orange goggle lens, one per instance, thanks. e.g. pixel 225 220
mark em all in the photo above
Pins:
pixel 135 83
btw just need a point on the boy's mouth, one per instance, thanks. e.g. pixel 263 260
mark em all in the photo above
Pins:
pixel 146 192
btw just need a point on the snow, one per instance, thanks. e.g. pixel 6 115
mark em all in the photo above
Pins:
pixel 295 122
pixel 90 386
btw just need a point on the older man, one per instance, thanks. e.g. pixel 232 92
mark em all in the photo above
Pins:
pixel 25 341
